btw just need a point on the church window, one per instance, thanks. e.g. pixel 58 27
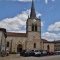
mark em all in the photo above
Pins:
pixel 32 27
pixel 34 45
pixel 36 27
pixel 7 44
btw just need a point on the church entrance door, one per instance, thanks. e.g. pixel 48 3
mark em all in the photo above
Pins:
pixel 19 48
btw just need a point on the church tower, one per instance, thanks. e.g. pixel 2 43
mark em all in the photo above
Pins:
pixel 33 30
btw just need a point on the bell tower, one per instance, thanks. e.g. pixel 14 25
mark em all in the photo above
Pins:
pixel 33 30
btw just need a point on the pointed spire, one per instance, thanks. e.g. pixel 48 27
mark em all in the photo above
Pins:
pixel 32 13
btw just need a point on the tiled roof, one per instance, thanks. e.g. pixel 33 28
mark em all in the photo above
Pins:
pixel 56 41
pixel 16 34
pixel 46 41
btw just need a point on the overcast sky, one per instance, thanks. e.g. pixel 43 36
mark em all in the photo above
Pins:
pixel 14 13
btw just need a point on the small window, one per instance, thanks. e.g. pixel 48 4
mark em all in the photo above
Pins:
pixel 48 47
pixel 36 27
pixel 7 44
pixel 34 45
pixel 32 27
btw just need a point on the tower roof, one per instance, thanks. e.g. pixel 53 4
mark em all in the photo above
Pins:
pixel 32 13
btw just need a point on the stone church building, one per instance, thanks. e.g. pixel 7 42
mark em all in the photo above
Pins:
pixel 31 40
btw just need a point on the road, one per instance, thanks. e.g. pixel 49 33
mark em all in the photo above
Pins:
pixel 41 58
pixel 17 57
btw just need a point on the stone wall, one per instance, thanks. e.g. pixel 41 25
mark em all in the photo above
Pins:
pixel 51 46
pixel 15 41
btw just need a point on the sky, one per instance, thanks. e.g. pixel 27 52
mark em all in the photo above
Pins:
pixel 14 13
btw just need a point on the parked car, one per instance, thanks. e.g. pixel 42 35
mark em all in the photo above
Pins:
pixel 29 53
pixel 44 53
pixel 22 53
pixel 50 52
pixel 37 53
pixel 57 52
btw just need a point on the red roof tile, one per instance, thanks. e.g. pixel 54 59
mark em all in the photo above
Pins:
pixel 16 34
pixel 46 41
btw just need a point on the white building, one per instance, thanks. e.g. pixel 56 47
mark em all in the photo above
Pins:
pixel 3 37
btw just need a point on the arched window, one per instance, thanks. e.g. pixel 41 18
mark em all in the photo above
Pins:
pixel 36 27
pixel 7 44
pixel 32 27
pixel 48 47
pixel 19 48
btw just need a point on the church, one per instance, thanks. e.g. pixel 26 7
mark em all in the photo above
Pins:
pixel 31 40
